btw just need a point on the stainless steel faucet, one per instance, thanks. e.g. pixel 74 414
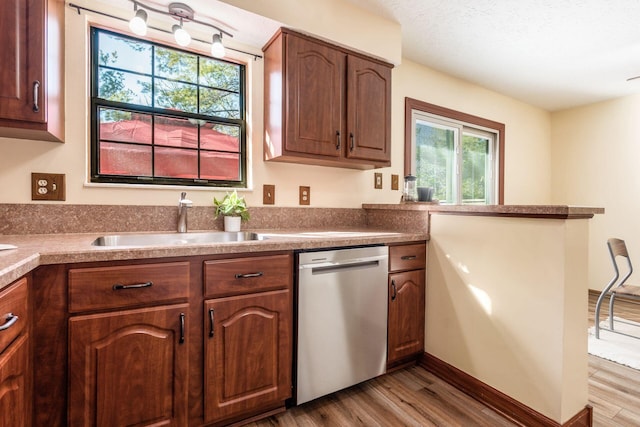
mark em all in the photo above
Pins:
pixel 183 205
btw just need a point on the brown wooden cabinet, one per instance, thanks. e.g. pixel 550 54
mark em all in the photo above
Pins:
pixel 129 367
pixel 31 75
pixel 248 336
pixel 406 302
pixel 325 104
pixel 15 369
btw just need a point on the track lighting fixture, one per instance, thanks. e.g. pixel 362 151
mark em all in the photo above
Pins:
pixel 183 38
pixel 138 23
pixel 181 12
pixel 217 48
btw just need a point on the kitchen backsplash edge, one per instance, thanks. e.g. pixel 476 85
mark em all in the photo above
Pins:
pixel 16 219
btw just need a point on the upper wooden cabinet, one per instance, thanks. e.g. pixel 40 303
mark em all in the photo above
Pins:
pixel 325 105
pixel 31 75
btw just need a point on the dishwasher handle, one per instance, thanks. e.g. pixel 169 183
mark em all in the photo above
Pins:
pixel 318 269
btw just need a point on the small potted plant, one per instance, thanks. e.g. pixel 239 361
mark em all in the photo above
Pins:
pixel 234 210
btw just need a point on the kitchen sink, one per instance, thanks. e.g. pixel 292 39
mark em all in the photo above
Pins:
pixel 170 239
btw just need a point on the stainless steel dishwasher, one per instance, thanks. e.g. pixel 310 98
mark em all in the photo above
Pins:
pixel 342 319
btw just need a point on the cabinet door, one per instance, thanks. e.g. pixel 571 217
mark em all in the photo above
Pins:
pixel 406 315
pixel 129 368
pixel 368 110
pixel 247 354
pixel 15 385
pixel 315 101
pixel 21 58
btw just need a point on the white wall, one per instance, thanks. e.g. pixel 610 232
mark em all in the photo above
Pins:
pixel 596 159
pixel 527 128
pixel 506 304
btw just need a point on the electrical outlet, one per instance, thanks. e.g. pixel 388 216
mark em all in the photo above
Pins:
pixel 305 195
pixel 268 194
pixel 394 182
pixel 47 186
pixel 377 180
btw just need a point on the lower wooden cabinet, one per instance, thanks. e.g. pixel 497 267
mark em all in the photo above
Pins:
pixel 15 384
pixel 15 367
pixel 129 368
pixel 248 354
pixel 405 335
pixel 406 315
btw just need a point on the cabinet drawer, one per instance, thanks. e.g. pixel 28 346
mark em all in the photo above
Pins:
pixel 407 257
pixel 14 312
pixel 125 286
pixel 247 275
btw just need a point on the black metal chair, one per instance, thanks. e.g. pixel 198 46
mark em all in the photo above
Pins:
pixel 616 287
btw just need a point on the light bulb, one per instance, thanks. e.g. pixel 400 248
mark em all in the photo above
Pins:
pixel 217 48
pixel 138 23
pixel 183 38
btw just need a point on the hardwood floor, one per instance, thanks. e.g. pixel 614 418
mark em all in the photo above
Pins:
pixel 614 390
pixel 414 397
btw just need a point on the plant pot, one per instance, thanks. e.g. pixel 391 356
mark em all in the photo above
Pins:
pixel 232 223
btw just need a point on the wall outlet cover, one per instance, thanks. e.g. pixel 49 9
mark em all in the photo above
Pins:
pixel 395 182
pixel 305 195
pixel 47 186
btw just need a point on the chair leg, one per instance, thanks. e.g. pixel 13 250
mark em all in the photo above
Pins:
pixel 598 305
pixel 611 301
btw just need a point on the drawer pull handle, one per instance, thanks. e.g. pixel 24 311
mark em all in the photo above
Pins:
pixel 181 328
pixel 394 289
pixel 211 322
pixel 11 319
pixel 408 257
pixel 249 275
pixel 134 286
pixel 352 144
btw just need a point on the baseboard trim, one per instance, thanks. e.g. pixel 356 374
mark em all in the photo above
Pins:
pixel 495 399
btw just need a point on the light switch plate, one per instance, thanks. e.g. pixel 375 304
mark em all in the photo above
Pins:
pixel 377 183
pixel 47 186
pixel 305 195
pixel 268 194
pixel 395 182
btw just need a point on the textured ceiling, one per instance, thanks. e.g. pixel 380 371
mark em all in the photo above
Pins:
pixel 554 54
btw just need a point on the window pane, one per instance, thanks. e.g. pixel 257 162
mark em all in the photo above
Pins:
pixel 124 126
pixel 219 103
pixel 176 65
pixel 218 74
pixel 176 96
pixel 220 166
pixel 124 53
pixel 220 137
pixel 121 86
pixel 125 159
pixel 176 132
pixel 435 160
pixel 176 163
pixel 475 167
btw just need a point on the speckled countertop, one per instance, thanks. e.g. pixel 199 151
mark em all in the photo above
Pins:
pixel 40 249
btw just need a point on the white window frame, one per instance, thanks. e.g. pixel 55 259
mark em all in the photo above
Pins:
pixel 462 124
